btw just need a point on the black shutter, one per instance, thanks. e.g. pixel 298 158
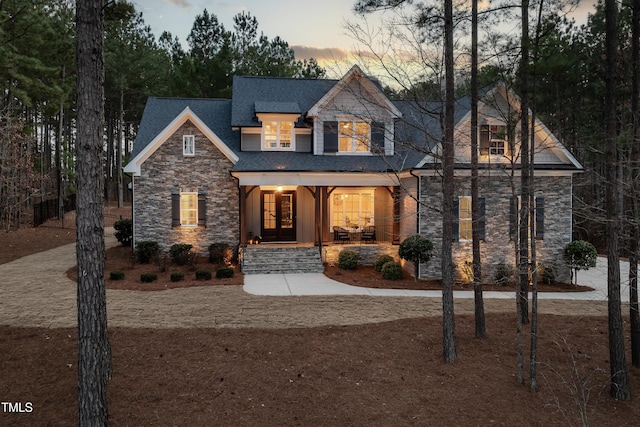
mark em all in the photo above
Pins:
pixel 484 139
pixel 175 210
pixel 202 210
pixel 455 214
pixel 539 218
pixel 513 220
pixel 377 138
pixel 481 218
pixel 330 137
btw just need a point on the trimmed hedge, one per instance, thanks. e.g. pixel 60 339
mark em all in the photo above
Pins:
pixel 181 254
pixel 124 231
pixel 177 276
pixel 116 275
pixel 146 250
pixel 203 274
pixel 224 273
pixel 148 277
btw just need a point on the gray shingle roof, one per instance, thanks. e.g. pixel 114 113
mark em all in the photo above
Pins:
pixel 247 91
pixel 160 112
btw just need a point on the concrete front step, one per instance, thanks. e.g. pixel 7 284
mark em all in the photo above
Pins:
pixel 281 259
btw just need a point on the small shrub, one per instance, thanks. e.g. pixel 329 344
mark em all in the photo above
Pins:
pixel 181 254
pixel 203 274
pixel 382 260
pixel 148 277
pixel 146 250
pixel 220 253
pixel 392 271
pixel 347 260
pixel 224 273
pixel 503 275
pixel 177 276
pixel 124 231
pixel 116 275
pixel 546 274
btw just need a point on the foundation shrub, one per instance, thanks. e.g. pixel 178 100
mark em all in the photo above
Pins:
pixel 146 250
pixel 347 260
pixel 124 231
pixel 177 276
pixel 392 271
pixel 381 261
pixel 220 253
pixel 181 254
pixel 116 275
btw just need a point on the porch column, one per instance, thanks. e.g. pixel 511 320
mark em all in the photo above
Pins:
pixel 396 215
pixel 243 218
pixel 325 213
pixel 317 218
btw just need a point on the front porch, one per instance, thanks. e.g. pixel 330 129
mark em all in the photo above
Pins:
pixel 320 215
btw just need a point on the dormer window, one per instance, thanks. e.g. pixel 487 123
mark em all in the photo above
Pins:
pixel 354 136
pixel 493 140
pixel 188 145
pixel 277 135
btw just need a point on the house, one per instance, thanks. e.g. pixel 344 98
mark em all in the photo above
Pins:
pixel 319 162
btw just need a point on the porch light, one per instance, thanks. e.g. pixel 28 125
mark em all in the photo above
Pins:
pixel 279 189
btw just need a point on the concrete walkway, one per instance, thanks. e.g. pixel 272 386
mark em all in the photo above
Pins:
pixel 319 284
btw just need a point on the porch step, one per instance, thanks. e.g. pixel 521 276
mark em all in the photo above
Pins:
pixel 280 259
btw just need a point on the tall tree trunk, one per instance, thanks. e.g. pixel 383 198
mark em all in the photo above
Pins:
pixel 618 369
pixel 59 179
pixel 480 323
pixel 119 154
pixel 94 355
pixel 448 319
pixel 634 161
pixel 525 185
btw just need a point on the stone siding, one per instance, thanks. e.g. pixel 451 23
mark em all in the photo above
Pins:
pixel 167 171
pixel 498 247
pixel 367 253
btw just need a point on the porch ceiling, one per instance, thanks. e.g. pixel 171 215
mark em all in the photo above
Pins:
pixel 316 178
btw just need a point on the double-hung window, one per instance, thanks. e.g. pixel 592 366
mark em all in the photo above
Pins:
pixel 188 209
pixel 277 135
pixel 464 218
pixel 188 145
pixel 354 136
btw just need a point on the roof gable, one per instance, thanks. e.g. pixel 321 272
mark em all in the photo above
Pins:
pixel 152 134
pixel 343 84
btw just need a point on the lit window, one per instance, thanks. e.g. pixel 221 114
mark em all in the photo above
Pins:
pixel 189 209
pixel 464 218
pixel 354 136
pixel 188 145
pixel 277 135
pixel 352 210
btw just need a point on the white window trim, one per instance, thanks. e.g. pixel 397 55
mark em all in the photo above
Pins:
pixel 469 218
pixel 188 193
pixel 292 135
pixel 368 191
pixel 353 152
pixel 495 122
pixel 186 152
pixel 279 118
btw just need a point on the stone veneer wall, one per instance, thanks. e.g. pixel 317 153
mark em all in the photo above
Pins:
pixel 167 171
pixel 498 247
pixel 367 253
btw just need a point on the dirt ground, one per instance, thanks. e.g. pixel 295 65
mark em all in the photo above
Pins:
pixel 386 372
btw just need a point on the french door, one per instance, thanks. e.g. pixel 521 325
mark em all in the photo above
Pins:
pixel 278 216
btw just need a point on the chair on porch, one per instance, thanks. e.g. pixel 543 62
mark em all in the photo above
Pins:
pixel 368 234
pixel 340 234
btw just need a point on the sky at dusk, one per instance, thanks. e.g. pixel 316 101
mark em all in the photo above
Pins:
pixel 312 29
